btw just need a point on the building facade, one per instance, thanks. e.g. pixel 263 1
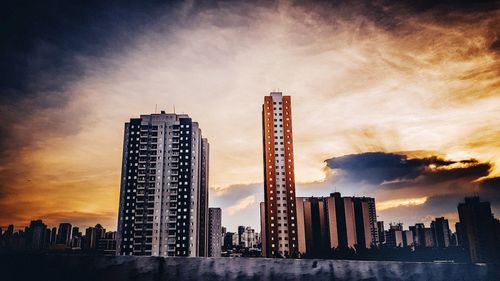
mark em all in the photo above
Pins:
pixel 441 232
pixel 280 225
pixel 394 235
pixel 164 187
pixel 478 226
pixel 214 232
pixel 335 222
pixel 381 232
pixel 64 234
pixel 366 226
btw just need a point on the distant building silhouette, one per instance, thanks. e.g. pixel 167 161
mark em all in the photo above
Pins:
pixel 37 237
pixel 64 234
pixel 36 234
pixel 53 235
pixel 381 232
pixel 479 230
pixel 214 232
pixel 241 231
pixel 394 236
pixel 228 240
pixel 441 232
pixel 106 245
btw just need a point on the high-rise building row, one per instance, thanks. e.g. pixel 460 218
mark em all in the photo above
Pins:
pixel 164 187
pixel 279 214
pixel 335 222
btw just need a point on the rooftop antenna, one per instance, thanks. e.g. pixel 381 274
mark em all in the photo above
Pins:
pixel 174 108
pixel 156 108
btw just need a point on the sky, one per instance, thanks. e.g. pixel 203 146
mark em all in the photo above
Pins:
pixel 397 100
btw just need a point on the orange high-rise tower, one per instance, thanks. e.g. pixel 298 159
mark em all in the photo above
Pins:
pixel 279 218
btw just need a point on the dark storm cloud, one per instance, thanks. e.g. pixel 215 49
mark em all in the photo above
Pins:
pixel 491 183
pixel 43 37
pixel 379 168
pixel 489 189
pixel 393 15
pixel 376 167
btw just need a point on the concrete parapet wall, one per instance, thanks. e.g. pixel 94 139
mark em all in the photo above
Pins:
pixel 93 268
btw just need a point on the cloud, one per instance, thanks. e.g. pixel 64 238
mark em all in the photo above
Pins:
pixel 241 204
pixel 398 170
pixel 491 183
pixel 377 167
pixel 402 202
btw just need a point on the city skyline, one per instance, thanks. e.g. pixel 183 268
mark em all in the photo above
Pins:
pixel 331 227
pixel 364 91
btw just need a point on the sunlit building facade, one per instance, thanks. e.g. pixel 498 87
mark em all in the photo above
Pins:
pixel 279 214
pixel 334 222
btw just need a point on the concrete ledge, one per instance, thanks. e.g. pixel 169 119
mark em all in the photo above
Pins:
pixel 93 268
